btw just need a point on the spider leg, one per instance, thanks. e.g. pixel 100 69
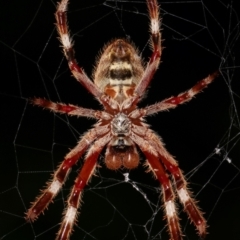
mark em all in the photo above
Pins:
pixel 190 206
pixel 42 201
pixel 154 61
pixel 78 73
pixel 83 177
pixel 184 194
pixel 173 102
pixel 70 109
pixel 171 165
pixel 168 195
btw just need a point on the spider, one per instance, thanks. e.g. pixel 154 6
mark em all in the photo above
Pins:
pixel 120 81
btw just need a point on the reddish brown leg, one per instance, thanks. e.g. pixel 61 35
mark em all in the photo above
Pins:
pixel 155 44
pixel 184 195
pixel 168 196
pixel 81 181
pixel 173 102
pixel 70 109
pixel 63 31
pixel 78 73
pixel 150 143
pixel 42 202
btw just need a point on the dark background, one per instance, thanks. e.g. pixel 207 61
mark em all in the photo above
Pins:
pixel 199 37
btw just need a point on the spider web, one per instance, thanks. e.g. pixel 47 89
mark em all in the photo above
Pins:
pixel 199 37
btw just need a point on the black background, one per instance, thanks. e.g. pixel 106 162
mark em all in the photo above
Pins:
pixel 199 37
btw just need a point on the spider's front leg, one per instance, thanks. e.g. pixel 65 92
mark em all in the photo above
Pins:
pixel 75 197
pixel 168 195
pixel 42 202
pixel 189 204
pixel 157 156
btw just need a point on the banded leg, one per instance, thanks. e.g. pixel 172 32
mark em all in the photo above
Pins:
pixel 184 195
pixel 189 204
pixel 154 61
pixel 70 109
pixel 78 73
pixel 81 181
pixel 42 201
pixel 168 196
pixel 173 102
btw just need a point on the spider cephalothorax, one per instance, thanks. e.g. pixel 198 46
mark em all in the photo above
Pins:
pixel 120 81
pixel 121 150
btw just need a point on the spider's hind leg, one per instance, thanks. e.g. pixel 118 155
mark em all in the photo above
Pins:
pixel 62 27
pixel 181 98
pixel 156 46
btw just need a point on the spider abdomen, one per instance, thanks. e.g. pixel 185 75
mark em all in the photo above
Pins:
pixel 119 70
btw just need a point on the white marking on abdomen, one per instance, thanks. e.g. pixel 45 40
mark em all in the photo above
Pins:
pixel 120 65
pixel 120 82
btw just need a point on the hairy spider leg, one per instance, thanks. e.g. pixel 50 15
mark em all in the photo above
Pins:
pixel 184 97
pixel 62 26
pixel 157 50
pixel 67 44
pixel 156 147
pixel 190 206
pixel 84 176
pixel 168 195
pixel 78 73
pixel 53 187
pixel 173 102
pixel 70 109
